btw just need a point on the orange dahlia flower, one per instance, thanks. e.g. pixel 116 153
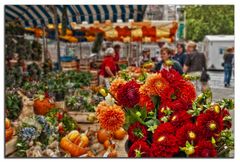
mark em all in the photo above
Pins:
pixel 115 85
pixel 101 107
pixel 154 85
pixel 110 118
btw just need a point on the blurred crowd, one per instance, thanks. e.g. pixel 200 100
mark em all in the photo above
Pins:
pixel 184 58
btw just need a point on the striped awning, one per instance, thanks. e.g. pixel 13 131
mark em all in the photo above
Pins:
pixel 38 15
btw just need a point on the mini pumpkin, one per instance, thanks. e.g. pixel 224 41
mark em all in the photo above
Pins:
pixel 119 134
pixel 84 141
pixel 72 148
pixel 42 106
pixel 7 123
pixel 103 135
pixel 9 130
pixel 74 136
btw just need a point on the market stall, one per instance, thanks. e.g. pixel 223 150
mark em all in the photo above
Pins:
pixel 61 111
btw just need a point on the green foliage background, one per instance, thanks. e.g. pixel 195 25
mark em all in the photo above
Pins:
pixel 204 20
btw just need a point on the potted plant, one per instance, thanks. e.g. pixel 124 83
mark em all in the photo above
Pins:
pixel 58 91
pixel 13 105
pixel 14 76
pixel 79 101
pixel 56 83
pixel 34 72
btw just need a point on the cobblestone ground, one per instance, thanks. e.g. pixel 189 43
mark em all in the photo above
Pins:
pixel 217 86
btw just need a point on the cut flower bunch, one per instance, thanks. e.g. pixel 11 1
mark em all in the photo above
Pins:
pixel 164 117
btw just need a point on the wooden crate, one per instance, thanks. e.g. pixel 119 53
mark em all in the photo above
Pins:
pixel 94 83
pixel 60 105
pixel 69 64
pixel 84 62
pixel 84 67
pixel 10 146
pixel 81 117
pixel 69 69
pixel 94 73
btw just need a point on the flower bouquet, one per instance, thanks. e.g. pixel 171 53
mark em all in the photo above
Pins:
pixel 165 118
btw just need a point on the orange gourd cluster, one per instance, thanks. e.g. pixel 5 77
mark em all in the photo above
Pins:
pixel 75 143
pixel 8 130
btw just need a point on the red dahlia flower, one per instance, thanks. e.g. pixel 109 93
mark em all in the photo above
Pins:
pixel 136 132
pixel 146 101
pixel 176 105
pixel 172 76
pixel 178 119
pixel 163 129
pixel 128 94
pixel 209 124
pixel 168 95
pixel 187 92
pixel 226 123
pixel 204 149
pixel 139 149
pixel 187 132
pixel 224 113
pixel 165 146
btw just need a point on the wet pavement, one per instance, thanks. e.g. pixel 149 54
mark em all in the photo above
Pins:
pixel 217 85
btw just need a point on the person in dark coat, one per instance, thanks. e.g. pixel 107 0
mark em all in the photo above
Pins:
pixel 195 63
pixel 228 65
pixel 180 56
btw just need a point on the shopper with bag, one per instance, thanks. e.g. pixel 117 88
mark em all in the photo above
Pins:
pixel 195 65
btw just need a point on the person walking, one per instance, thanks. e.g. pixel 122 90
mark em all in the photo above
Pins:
pixel 195 65
pixel 228 66
pixel 180 55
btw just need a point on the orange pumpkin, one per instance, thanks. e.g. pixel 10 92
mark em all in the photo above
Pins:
pixel 107 144
pixel 8 134
pixel 84 141
pixel 42 107
pixel 74 136
pixel 7 123
pixel 72 148
pixel 103 135
pixel 119 134
pixel 78 139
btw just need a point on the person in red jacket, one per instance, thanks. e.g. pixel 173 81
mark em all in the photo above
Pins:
pixel 108 67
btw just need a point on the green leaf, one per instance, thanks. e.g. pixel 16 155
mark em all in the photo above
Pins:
pixel 152 124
